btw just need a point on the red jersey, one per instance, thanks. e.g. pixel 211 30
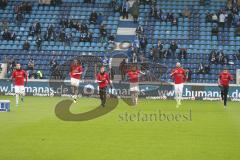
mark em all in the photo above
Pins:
pixel 19 76
pixel 179 75
pixel 133 76
pixel 104 78
pixel 75 71
pixel 225 78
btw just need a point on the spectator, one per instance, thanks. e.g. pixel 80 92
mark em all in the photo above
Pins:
pixel 26 45
pixel 221 20
pixel 135 11
pixel 4 25
pixel 3 4
pixel 186 13
pixel 160 45
pixel 19 18
pixel 50 34
pixel 154 12
pixel 35 29
pixel 202 2
pixel 170 17
pixel 125 9
pixel 93 17
pixel 134 56
pixel 56 2
pixel 188 74
pixel 103 33
pixel 208 17
pixel 7 35
pixel 201 69
pixel 31 64
pixel 139 31
pixel 136 45
pixel 143 43
pixel 220 57
pixel 155 53
pixel 215 31
pixel 84 28
pixel 111 38
pixel 237 55
pixel 39 42
pixel 62 36
pixel 175 21
pixel 214 18
pixel 100 18
pixel 39 74
pixel 123 69
pixel 53 64
pixel 237 31
pixel 229 19
pixel 173 48
pixel 112 73
pixel 182 54
pixel 213 57
pixel 166 53
pixel 206 68
pixel 89 37
pixel 225 60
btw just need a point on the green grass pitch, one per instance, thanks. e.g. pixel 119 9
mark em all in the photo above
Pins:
pixel 33 132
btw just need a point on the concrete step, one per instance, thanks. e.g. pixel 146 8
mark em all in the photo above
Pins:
pixel 126 31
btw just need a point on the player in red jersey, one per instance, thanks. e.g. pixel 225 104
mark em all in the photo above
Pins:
pixel 224 79
pixel 75 75
pixel 179 77
pixel 19 79
pixel 103 81
pixel 133 75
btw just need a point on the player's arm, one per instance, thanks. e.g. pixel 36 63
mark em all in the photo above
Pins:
pixel 98 79
pixel 172 73
pixel 219 80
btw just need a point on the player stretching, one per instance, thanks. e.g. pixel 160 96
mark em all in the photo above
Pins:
pixel 103 81
pixel 179 76
pixel 133 75
pixel 75 74
pixel 18 77
pixel 224 78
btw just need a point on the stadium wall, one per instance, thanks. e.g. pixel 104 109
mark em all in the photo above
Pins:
pixel 149 90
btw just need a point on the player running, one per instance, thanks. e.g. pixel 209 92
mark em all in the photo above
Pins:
pixel 224 79
pixel 179 77
pixel 75 75
pixel 103 81
pixel 19 79
pixel 133 75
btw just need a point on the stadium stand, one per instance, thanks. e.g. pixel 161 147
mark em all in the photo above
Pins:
pixel 193 33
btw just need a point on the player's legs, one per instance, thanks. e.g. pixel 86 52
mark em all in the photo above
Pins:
pixel 133 97
pixel 75 85
pixel 176 90
pixel 134 88
pixel 22 93
pixel 180 93
pixel 18 93
pixel 225 94
pixel 103 96
pixel 136 97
